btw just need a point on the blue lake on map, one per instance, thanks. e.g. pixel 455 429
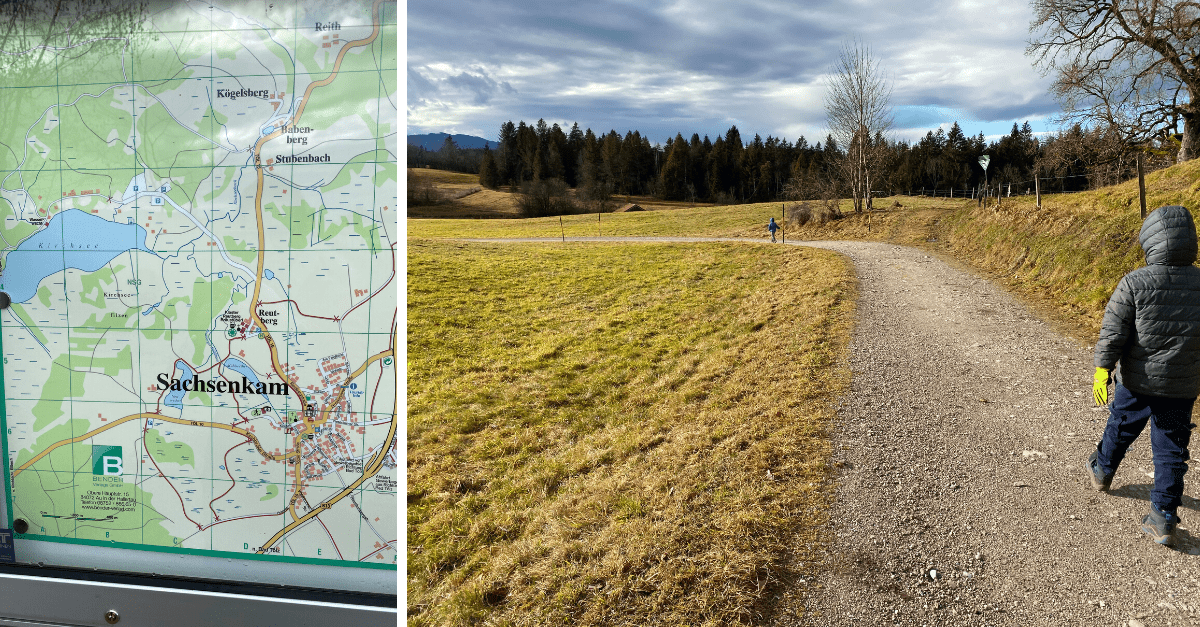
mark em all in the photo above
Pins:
pixel 241 368
pixel 73 239
pixel 175 397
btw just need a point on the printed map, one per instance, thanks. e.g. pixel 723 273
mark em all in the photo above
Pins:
pixel 199 227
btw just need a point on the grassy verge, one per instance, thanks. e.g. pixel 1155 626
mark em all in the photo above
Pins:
pixel 617 434
pixel 1071 252
pixel 1069 258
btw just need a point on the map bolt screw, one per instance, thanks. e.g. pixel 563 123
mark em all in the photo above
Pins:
pixel 112 617
pixel 5 301
pixel 20 526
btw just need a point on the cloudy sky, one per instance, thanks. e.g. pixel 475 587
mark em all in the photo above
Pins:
pixel 700 66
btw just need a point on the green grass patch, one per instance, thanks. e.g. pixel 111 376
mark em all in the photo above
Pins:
pixel 617 433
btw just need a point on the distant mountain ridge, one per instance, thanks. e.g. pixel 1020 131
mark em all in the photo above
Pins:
pixel 434 141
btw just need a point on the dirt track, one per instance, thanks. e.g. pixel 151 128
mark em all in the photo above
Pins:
pixel 961 449
pixel 961 495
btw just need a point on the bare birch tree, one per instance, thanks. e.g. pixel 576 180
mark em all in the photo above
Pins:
pixel 1133 65
pixel 857 103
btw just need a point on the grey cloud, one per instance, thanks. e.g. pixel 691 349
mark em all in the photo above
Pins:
pixel 419 87
pixel 476 84
pixel 760 40
pixel 479 84
pixel 1041 107
pixel 725 61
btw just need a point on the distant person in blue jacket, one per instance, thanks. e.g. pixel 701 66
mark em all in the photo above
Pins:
pixel 771 226
pixel 1150 341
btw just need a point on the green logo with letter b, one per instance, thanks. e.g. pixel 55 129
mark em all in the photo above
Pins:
pixel 106 460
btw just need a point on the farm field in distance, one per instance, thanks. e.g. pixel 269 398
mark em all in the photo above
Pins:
pixel 464 198
pixel 617 433
pixel 910 223
pixel 1063 258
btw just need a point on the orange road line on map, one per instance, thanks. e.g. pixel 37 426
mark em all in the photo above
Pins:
pixel 262 240
pixel 370 471
pixel 329 410
pixel 258 194
pixel 178 421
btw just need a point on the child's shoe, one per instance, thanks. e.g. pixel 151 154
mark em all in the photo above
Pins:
pixel 1160 526
pixel 1100 481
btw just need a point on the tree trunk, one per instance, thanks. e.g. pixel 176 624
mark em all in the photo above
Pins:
pixel 869 207
pixel 1191 138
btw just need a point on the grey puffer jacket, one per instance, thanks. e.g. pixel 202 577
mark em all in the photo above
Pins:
pixel 1151 327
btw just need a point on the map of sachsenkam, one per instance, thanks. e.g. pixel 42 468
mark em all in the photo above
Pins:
pixel 199 227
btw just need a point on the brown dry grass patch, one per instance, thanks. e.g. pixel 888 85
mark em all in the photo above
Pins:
pixel 617 434
pixel 444 177
pixel 1069 254
pixel 502 203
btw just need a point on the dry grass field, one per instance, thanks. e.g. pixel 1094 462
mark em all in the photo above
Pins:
pixel 1064 258
pixel 605 434
pixel 486 203
pixel 911 223
pixel 591 425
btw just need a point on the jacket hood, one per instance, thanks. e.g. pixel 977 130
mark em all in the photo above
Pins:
pixel 1168 237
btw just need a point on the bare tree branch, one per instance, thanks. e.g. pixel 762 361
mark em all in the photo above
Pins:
pixel 857 105
pixel 1127 64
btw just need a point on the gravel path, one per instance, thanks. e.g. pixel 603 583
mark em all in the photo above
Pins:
pixel 961 498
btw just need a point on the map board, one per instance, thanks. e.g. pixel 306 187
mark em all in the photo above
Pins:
pixel 198 223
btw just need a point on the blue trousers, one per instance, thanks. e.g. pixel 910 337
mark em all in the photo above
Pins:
pixel 1170 430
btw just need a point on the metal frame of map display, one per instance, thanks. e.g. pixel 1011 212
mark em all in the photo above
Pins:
pixel 172 405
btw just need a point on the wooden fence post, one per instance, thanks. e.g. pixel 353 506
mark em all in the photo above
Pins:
pixel 1141 185
pixel 1037 189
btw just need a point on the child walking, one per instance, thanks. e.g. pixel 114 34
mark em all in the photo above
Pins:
pixel 771 226
pixel 1150 335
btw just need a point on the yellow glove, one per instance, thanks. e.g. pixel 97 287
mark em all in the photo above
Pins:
pixel 1100 387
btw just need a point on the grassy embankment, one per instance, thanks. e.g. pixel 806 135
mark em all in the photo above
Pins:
pixel 617 433
pixel 1070 254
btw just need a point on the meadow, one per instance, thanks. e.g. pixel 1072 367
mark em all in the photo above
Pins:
pixel 605 433
pixel 1063 258
pixel 617 433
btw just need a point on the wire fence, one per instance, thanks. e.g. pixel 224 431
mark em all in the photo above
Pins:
pixel 1005 189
